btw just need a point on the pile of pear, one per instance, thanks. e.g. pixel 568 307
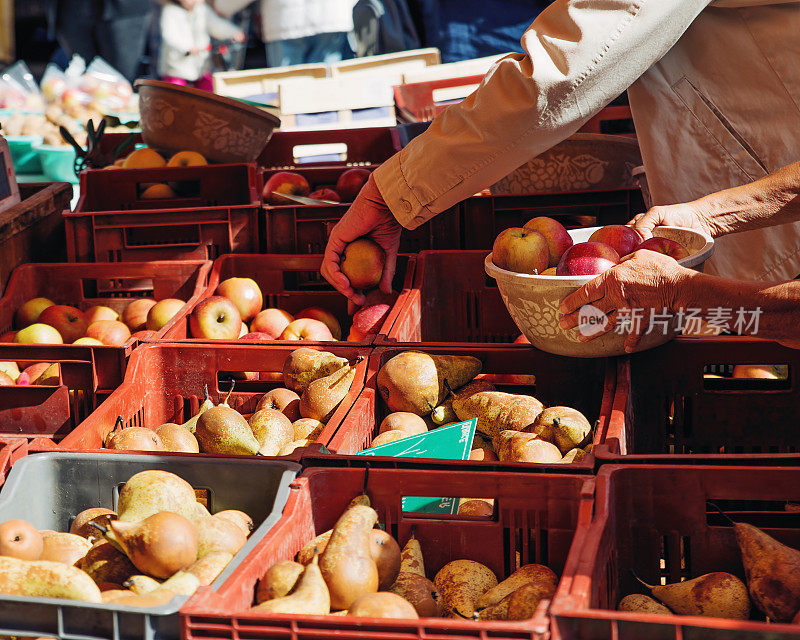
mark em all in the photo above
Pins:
pixel 160 543
pixel 316 383
pixel 424 391
pixel 772 576
pixel 357 569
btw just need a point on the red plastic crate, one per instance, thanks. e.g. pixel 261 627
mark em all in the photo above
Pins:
pixel 415 101
pixel 485 216
pixel 292 283
pixel 535 516
pixel 164 383
pixel 656 520
pixel 665 410
pixel 300 228
pixel 369 146
pixel 585 385
pixel 216 213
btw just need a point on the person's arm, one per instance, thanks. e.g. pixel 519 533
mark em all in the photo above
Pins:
pixel 220 28
pixel 769 201
pixel 227 8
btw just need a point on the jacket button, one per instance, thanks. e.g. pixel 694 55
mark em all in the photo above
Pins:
pixel 406 205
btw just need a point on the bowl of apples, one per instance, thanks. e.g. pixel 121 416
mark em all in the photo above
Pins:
pixel 540 264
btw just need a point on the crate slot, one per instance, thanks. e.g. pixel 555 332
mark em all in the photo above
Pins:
pixel 179 236
pixel 117 287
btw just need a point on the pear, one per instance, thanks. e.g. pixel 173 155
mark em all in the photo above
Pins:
pixel 224 431
pixel 135 439
pixel 419 591
pixel 523 602
pixel 290 448
pixel 410 423
pixel 272 429
pixel 239 518
pixel 347 564
pixel 151 491
pixel 386 553
pixel 411 560
pixel 638 602
pixel 191 423
pixel 309 597
pixel 81 524
pixel 307 429
pixel 445 414
pixel 497 411
pixel 64 547
pixel 279 580
pixel 460 584
pixel 181 583
pixel 105 563
pixel 314 547
pixel 112 595
pixel 536 573
pixel 575 455
pixel 140 584
pixel 515 446
pixel 382 604
pixel 715 595
pixel 44 579
pixel 208 568
pixel 217 534
pixel 21 540
pixel 475 507
pixel 304 365
pixel 176 437
pixel 772 570
pixel 415 382
pixel 323 396
pixel 563 426
pixel 284 400
pixel 156 598
pixel 160 545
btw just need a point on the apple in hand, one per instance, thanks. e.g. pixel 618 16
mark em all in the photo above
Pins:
pixel 271 322
pixel 109 332
pixel 521 251
pixel 666 246
pixel 244 293
pixel 30 311
pixel 362 262
pixel 620 238
pixel 324 316
pixel 99 312
pixel 557 238
pixel 350 182
pixel 285 182
pixel 587 259
pixel 162 312
pixel 215 318
pixel 68 321
pixel 38 333
pixel 135 314
pixel 325 194
pixel 307 329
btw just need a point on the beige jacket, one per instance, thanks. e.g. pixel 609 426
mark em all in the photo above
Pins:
pixel 714 89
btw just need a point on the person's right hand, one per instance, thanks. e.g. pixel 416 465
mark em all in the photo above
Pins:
pixel 688 215
pixel 367 216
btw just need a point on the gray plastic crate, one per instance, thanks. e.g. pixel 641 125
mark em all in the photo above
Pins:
pixel 49 489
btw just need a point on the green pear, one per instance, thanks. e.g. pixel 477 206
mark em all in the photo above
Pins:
pixel 149 492
pixel 224 431
pixel 324 395
pixel 45 579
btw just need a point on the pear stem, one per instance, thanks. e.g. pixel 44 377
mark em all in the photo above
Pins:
pixel 230 391
pixel 99 527
pixel 483 435
pixel 449 388
pixel 636 577
pixel 721 512
pixel 118 424
pixel 205 390
pixel 461 615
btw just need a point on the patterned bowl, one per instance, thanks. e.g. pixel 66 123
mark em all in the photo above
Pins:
pixel 533 301
pixel 223 130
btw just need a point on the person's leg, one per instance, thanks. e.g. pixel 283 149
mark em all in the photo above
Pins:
pixel 122 41
pixel 204 82
pixel 283 53
pixel 75 20
pixel 328 48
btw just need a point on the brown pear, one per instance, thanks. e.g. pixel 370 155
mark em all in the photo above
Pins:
pixel 445 414
pixel 217 534
pixel 81 524
pixel 177 438
pixel 304 365
pixel 536 573
pixel 419 591
pixel 292 446
pixel 272 429
pixel 307 429
pixel 475 507
pixel 411 423
pixel 565 427
pixel 239 518
pixel 223 431
pixel 279 580
pixel 324 395
pixel 44 579
pixel 156 598
pixel 460 584
pixel 181 583
pixel 313 548
pixel 523 602
pixel 284 400
pixel 386 553
pixel 64 547
pixel 497 411
pixel 575 455
pixel 772 570
pixel 151 491
pixel 112 595
pixel 140 584
pixel 347 564
pixel 135 439
pixel 160 545
pixel 411 560
pixel 715 595
pixel 208 568
pixel 105 563
pixel 310 596
pixel 515 446
pixel 638 602
pixel 388 436
pixel 415 382
pixel 382 604
pixel 21 540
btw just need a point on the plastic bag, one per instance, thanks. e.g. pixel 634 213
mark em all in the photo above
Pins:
pixel 104 83
pixel 18 89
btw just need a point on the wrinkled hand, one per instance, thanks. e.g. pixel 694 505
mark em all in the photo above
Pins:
pixel 645 280
pixel 688 215
pixel 367 216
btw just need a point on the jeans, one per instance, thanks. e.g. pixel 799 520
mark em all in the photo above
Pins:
pixel 323 47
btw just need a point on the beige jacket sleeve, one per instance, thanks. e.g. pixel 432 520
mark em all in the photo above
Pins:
pixel 580 55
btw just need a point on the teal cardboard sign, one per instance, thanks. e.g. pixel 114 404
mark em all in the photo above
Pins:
pixel 453 442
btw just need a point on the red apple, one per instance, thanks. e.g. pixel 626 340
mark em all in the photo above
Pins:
pixel 68 321
pixel 362 263
pixel 666 246
pixel 6 380
pixel 8 336
pixel 99 312
pixel 215 318
pixel 162 312
pixel 620 238
pixel 23 380
pixel 307 329
pixel 285 182
pixel 30 311
pixel 272 322
pixel 244 293
pixel 109 332
pixel 557 238
pixel 325 317
pixel 44 373
pixel 355 335
pixel 369 320
pixel 350 182
pixel 135 314
pixel 587 259
pixel 521 251
pixel 325 194
pixel 38 333
pixel 257 336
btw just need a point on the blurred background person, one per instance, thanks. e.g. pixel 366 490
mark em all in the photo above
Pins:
pixel 383 26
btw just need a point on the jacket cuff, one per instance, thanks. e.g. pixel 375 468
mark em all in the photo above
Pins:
pixel 398 195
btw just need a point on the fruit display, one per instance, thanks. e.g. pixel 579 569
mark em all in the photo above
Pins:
pixel 160 543
pixel 345 190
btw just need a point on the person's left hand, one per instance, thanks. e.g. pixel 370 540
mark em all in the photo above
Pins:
pixel 240 37
pixel 644 281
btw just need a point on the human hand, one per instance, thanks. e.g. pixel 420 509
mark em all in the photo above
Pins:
pixel 644 281
pixel 240 37
pixel 690 215
pixel 367 216
pixel 194 51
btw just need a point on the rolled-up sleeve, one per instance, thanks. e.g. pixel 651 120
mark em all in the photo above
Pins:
pixel 580 54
